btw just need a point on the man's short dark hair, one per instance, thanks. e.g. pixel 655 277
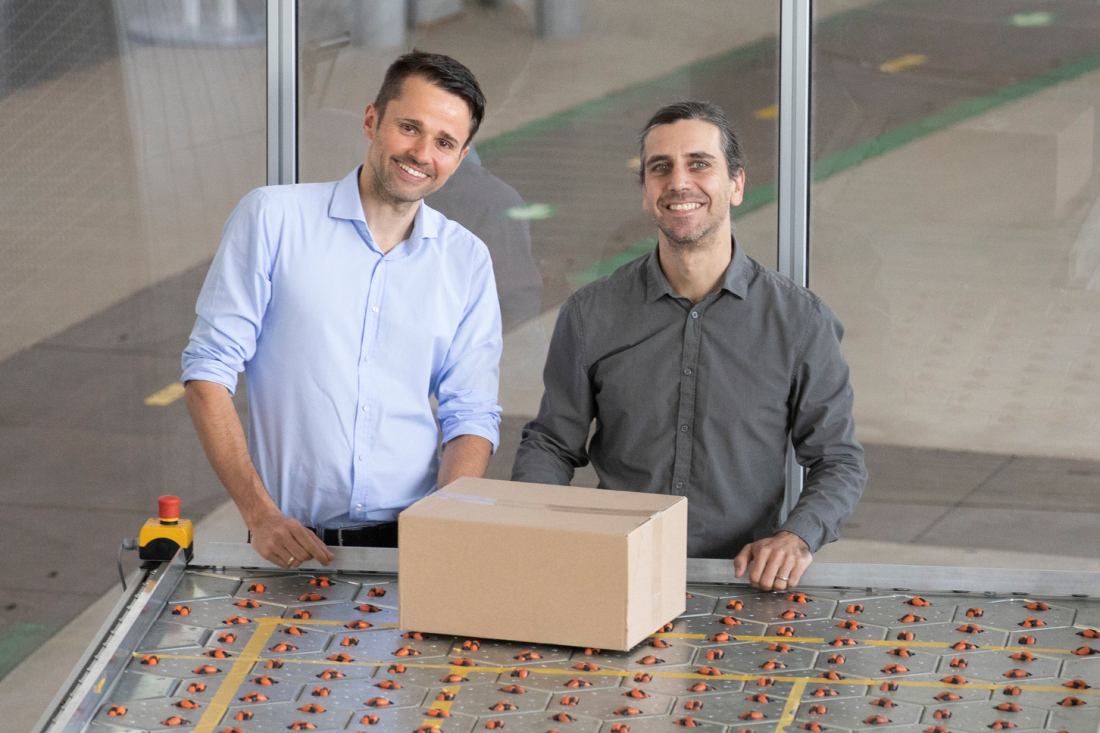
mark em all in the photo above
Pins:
pixel 442 71
pixel 692 110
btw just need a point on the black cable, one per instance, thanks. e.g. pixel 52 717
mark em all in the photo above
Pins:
pixel 126 544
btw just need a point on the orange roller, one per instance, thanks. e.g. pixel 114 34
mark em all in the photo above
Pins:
pixel 321 582
pixel 236 621
pixel 247 603
pixel 406 651
pixel 963 646
pixel 849 624
pixel 709 671
pixel 150 660
pixel 188 704
pixel 1085 651
pixel 528 656
pixel 494 725
pixel 667 627
pixel 1001 725
pixel 463 662
pixel 1012 691
pixel 376 592
pixel 174 721
pixel 216 654
pixel 942 714
pixel 659 644
pixel 503 707
pixel 835 659
pixel 243 715
pixel 780 647
pixel 785 631
pixel 798 598
pixel 342 658
pixel 791 614
pixel 413 635
pixel 687 722
pixel 772 664
pixel 974 613
pixel 713 654
pixel 371 720
pixel 349 641
pixel 1032 623
pixel 332 674
pixel 906 636
pixel 569 700
pixel 586 667
pixel 368 608
pixel 736 605
pixel 884 702
pixel 254 697
pixel 947 697
pixel 377 702
pixel 824 692
pixel 912 618
pixel 471 645
pixel 900 652
pixel 294 631
pixel 226 637
pixel 563 718
pixel 637 694
pixel 1071 702
pixel 876 720
pixel 954 679
pixel 196 687
pixel 729 621
pixel 700 687
pixel 436 713
pixel 1077 685
pixel 889 687
pixel 854 608
pixel 578 682
pixel 650 659
pixel 936 729
pixel 388 685
pixel 1023 657
pixel 832 674
pixel 205 669
pixel 818 710
pixel 1026 641
pixel 273 664
pixel 282 646
pixel 310 598
pixel 918 601
pixel 812 726
pixel 303 615
pixel 1008 707
pixel 302 725
pixel 894 669
pixel 723 636
pixel 1037 606
pixel 520 672
pixel 513 690
pixel 620 728
pixel 116 711
pixel 759 697
pixel 628 711
pixel 181 610
pixel 751 715
pixel 959 663
pixel 643 677
pixel 445 696
pixel 1016 674
pixel 842 641
pixel 265 681
pixel 590 652
pixel 1090 633
pixel 970 629
pixel 257 588
pixel 321 692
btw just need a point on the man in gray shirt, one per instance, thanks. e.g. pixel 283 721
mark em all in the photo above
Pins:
pixel 698 364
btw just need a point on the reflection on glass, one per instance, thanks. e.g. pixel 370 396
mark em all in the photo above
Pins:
pixel 955 232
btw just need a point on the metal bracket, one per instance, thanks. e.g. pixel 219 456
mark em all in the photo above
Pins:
pixel 282 92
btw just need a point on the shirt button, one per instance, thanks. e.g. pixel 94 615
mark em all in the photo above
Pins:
pixel 679 484
pixel 358 506
pixel 360 456
pixel 694 314
pixel 375 309
pixel 366 408
pixel 687 372
pixel 683 429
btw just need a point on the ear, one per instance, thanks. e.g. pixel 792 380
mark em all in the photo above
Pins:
pixel 370 121
pixel 462 155
pixel 737 190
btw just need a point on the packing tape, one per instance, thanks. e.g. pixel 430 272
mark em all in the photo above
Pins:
pixel 514 503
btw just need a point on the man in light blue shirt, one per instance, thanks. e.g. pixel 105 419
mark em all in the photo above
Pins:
pixel 351 305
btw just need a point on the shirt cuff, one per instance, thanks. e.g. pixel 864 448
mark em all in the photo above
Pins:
pixel 806 527
pixel 208 370
pixel 488 429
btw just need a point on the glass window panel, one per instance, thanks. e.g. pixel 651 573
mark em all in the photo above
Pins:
pixel 570 83
pixel 954 230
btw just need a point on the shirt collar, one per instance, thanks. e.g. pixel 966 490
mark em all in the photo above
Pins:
pixel 736 279
pixel 346 204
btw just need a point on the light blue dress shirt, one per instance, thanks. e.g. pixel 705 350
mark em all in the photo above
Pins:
pixel 344 347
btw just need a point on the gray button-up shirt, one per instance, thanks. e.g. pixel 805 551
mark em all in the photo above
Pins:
pixel 698 400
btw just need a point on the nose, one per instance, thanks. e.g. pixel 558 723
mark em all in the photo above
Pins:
pixel 419 149
pixel 679 180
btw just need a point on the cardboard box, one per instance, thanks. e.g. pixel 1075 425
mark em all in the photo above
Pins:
pixel 542 564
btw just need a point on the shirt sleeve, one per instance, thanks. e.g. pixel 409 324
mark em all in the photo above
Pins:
pixel 823 435
pixel 234 297
pixel 470 377
pixel 554 443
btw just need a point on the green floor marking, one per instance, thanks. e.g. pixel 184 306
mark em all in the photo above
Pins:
pixel 1032 20
pixel 530 212
pixel 19 642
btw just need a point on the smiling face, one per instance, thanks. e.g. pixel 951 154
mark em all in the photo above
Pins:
pixel 416 143
pixel 687 187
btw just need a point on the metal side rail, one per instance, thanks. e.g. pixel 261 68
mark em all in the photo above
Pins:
pixel 94 676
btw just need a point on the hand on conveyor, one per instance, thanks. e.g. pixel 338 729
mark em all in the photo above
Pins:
pixel 285 542
pixel 777 562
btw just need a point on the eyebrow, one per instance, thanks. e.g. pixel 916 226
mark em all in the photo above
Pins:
pixel 443 134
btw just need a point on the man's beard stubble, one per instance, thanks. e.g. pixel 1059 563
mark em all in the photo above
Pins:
pixel 695 240
pixel 388 193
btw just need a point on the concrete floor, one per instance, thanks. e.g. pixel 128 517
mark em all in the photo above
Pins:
pixel 971 329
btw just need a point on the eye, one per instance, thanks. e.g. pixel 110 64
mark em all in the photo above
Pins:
pixel 406 127
pixel 699 164
pixel 445 143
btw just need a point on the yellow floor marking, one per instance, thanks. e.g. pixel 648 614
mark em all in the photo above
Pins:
pixel 903 62
pixel 767 113
pixel 865 642
pixel 219 705
pixel 166 396
pixel 739 637
pixel 444 705
pixel 793 700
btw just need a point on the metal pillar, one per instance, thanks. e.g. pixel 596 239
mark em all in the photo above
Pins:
pixel 282 92
pixel 794 168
